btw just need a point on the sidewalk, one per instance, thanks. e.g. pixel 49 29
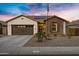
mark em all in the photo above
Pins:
pixel 40 51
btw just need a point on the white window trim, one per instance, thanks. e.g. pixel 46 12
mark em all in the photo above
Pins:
pixel 56 27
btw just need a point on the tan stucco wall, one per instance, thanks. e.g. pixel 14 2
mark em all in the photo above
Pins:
pixel 61 25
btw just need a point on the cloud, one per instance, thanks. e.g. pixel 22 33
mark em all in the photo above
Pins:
pixel 70 14
pixel 69 11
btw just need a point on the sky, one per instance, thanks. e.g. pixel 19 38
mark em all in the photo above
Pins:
pixel 68 11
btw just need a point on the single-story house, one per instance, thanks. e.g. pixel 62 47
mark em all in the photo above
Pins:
pixel 1 23
pixel 30 25
pixel 74 28
pixel 2 28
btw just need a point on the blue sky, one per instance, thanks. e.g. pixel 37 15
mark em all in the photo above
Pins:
pixel 20 8
pixel 61 9
pixel 13 8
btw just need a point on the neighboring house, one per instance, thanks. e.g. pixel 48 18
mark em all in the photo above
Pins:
pixel 74 28
pixel 30 25
pixel 2 28
pixel 56 25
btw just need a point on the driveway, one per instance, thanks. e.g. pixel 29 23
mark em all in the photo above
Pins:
pixel 14 41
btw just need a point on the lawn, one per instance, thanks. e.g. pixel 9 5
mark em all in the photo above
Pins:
pixel 58 41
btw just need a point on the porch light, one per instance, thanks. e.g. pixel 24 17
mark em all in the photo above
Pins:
pixel 42 25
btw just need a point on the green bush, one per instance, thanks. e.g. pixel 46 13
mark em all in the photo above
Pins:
pixel 40 36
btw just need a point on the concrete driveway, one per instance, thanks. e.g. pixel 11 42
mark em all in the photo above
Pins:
pixel 14 41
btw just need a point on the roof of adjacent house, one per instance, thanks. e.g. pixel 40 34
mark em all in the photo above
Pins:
pixel 2 22
pixel 74 23
pixel 40 19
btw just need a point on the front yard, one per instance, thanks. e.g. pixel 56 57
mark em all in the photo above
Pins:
pixel 59 41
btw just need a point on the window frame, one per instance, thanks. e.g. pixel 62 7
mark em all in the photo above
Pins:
pixel 56 26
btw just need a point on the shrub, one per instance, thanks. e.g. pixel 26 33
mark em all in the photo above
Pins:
pixel 40 36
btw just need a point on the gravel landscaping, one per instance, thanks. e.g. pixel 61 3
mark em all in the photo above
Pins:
pixel 59 41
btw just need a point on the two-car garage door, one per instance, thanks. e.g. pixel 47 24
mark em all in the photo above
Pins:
pixel 22 29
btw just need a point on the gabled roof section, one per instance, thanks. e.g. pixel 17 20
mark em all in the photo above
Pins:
pixel 56 17
pixel 30 17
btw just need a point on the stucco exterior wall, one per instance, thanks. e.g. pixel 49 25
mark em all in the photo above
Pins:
pixel 61 25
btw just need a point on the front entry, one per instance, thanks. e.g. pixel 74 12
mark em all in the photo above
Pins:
pixel 22 29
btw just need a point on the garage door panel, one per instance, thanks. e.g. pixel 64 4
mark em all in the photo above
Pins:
pixel 22 29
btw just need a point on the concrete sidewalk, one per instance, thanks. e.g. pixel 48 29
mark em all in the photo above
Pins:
pixel 39 51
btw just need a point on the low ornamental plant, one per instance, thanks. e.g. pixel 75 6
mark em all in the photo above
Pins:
pixel 40 36
pixel 69 34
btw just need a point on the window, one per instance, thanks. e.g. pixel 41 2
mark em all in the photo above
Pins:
pixel 54 27
pixel 21 26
